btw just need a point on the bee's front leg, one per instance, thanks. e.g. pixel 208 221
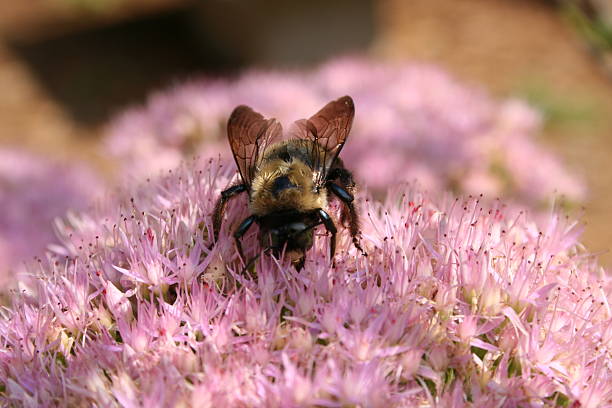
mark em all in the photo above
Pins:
pixel 226 195
pixel 339 172
pixel 331 228
pixel 241 230
pixel 353 219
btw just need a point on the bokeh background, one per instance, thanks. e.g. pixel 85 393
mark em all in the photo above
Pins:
pixel 69 67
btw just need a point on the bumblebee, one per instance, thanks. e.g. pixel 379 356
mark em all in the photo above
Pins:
pixel 290 182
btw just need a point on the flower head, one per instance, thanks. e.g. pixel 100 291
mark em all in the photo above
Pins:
pixel 458 301
pixel 33 192
pixel 423 123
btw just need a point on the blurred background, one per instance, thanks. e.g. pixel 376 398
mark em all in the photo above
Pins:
pixel 69 68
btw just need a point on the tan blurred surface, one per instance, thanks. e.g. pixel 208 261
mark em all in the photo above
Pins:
pixel 36 18
pixel 521 48
pixel 509 47
pixel 31 115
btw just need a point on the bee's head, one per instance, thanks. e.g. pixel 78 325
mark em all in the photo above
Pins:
pixel 281 186
pixel 293 235
pixel 292 238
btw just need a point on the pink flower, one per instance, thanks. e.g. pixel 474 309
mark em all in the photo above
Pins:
pixel 413 121
pixel 34 191
pixel 459 302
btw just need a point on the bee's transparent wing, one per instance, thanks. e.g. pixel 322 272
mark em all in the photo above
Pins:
pixel 328 129
pixel 249 134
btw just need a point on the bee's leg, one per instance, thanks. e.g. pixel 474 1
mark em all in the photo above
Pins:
pixel 241 230
pixel 351 214
pixel 341 193
pixel 344 176
pixel 345 191
pixel 331 228
pixel 220 206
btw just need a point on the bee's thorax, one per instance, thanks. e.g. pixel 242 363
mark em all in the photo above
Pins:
pixel 282 185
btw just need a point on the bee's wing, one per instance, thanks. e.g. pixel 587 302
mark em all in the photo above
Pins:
pixel 328 128
pixel 249 134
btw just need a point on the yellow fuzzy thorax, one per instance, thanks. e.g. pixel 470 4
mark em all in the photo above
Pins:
pixel 303 198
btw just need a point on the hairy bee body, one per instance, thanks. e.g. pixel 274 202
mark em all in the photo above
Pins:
pixel 285 197
pixel 291 182
pixel 284 180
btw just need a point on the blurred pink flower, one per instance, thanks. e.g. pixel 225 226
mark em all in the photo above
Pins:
pixel 460 302
pixel 413 121
pixel 34 191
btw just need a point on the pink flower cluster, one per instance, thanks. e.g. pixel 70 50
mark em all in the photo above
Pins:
pixel 458 303
pixel 413 121
pixel 34 191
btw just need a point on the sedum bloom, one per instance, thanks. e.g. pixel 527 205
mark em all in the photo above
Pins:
pixel 33 192
pixel 458 303
pixel 413 121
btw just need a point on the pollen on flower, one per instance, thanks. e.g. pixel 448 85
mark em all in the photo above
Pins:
pixel 454 306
